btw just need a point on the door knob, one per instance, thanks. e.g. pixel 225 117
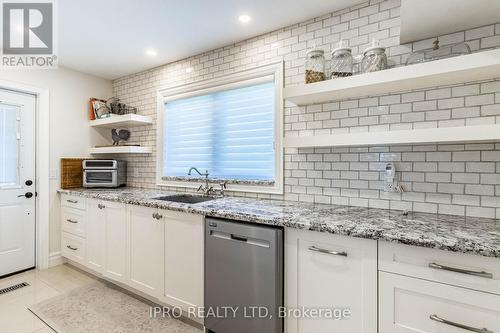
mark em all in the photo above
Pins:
pixel 26 195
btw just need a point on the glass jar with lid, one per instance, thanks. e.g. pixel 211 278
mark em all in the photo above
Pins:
pixel 374 58
pixel 341 63
pixel 314 65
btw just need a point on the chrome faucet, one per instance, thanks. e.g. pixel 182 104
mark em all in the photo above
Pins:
pixel 206 189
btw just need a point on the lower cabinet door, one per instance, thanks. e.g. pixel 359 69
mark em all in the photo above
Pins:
pixel 410 305
pixel 146 250
pixel 184 259
pixel 96 226
pixel 115 248
pixel 333 274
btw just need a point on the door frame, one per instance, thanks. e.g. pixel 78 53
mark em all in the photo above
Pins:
pixel 42 163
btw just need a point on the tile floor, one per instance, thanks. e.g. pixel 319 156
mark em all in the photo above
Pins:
pixel 14 314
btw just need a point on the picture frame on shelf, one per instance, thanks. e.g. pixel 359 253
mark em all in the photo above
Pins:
pixel 101 110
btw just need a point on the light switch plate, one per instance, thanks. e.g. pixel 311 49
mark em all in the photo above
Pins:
pixel 53 174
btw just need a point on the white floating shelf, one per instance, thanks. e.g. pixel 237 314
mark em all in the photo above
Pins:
pixel 472 67
pixel 482 133
pixel 122 121
pixel 122 150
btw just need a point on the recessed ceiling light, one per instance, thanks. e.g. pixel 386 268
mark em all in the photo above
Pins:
pixel 151 53
pixel 244 18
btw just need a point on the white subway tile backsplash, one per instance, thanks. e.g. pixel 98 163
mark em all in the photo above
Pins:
pixel 449 179
pixel 425 207
pixel 424 106
pixel 481 32
pixel 470 200
pixel 480 100
pixel 451 209
pixel 480 189
pixel 488 42
pixel 480 212
pixel 413 97
pixel 466 90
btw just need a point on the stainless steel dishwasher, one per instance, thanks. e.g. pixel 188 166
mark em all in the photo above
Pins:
pixel 243 277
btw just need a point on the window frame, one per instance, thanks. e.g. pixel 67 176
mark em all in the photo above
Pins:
pixel 261 74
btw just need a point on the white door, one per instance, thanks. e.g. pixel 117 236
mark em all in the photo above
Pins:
pixel 184 247
pixel 146 250
pixel 96 228
pixel 325 271
pixel 115 246
pixel 17 182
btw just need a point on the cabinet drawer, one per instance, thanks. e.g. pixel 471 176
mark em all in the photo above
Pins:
pixel 409 305
pixel 73 247
pixel 72 201
pixel 73 221
pixel 464 270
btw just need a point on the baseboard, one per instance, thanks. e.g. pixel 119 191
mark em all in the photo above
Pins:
pixel 55 259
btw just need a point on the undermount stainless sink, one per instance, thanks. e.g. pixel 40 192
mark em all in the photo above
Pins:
pixel 185 198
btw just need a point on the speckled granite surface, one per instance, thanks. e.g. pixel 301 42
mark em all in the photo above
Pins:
pixel 447 232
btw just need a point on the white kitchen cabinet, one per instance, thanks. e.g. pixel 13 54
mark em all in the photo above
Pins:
pixel 146 251
pixel 458 269
pixel 184 259
pixel 410 305
pixel 115 244
pixel 73 247
pixel 329 271
pixel 73 221
pixel 96 226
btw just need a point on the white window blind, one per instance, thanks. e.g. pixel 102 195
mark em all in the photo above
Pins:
pixel 229 133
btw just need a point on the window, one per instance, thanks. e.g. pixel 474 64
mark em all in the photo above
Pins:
pixel 8 145
pixel 233 130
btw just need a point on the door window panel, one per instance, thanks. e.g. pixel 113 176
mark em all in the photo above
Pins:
pixel 9 145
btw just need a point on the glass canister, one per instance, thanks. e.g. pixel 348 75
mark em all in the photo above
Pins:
pixel 314 66
pixel 341 63
pixel 438 52
pixel 374 58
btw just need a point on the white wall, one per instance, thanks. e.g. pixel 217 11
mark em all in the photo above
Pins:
pixel 70 135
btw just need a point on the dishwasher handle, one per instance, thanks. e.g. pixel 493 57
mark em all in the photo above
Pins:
pixel 238 238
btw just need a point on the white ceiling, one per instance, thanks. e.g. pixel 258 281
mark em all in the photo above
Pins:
pixel 430 18
pixel 109 38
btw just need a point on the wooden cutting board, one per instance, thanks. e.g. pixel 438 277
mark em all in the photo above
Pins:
pixel 71 172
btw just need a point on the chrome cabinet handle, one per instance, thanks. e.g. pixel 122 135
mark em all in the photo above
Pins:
pixel 72 201
pixel 71 248
pixel 101 206
pixel 155 215
pixel 71 221
pixel 334 253
pixel 462 271
pixel 464 327
pixel 159 216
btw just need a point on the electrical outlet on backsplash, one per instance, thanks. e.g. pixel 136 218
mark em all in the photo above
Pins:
pixel 460 179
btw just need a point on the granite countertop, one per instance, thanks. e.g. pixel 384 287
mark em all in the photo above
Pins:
pixel 471 235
